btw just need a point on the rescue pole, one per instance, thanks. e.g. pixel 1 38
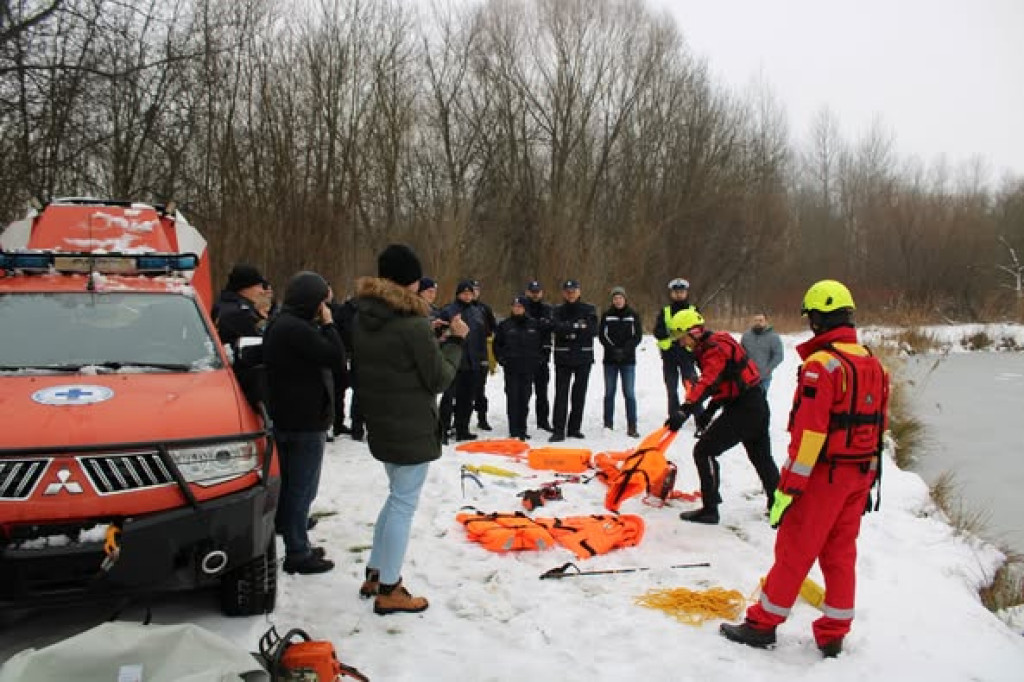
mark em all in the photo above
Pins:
pixel 563 571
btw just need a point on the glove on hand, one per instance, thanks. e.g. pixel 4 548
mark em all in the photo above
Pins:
pixel 676 420
pixel 779 509
pixel 703 419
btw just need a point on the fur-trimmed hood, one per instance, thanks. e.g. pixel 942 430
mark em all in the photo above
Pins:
pixel 379 300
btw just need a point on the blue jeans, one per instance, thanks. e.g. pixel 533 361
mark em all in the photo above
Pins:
pixel 302 454
pixel 611 378
pixel 391 534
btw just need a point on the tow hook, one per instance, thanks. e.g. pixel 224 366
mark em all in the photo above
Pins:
pixel 111 547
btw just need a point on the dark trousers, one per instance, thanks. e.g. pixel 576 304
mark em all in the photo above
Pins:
pixel 540 389
pixel 578 376
pixel 674 371
pixel 743 420
pixel 518 387
pixel 302 454
pixel 480 393
pixel 457 401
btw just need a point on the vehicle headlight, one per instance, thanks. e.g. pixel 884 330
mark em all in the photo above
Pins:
pixel 212 464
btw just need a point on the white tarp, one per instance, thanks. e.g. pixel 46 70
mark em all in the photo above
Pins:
pixel 132 652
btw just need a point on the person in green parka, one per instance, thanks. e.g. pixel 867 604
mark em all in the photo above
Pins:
pixel 400 371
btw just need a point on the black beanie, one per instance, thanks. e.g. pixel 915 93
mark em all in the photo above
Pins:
pixel 305 292
pixel 399 264
pixel 243 276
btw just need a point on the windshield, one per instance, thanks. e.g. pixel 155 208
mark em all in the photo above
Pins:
pixel 103 332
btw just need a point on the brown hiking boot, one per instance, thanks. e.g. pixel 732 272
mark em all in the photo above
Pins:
pixel 371 585
pixel 396 599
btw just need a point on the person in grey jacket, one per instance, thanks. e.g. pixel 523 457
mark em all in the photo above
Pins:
pixel 764 347
pixel 401 369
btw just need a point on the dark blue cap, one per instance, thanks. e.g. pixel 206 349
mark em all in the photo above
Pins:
pixel 571 284
pixel 464 285
pixel 534 285
pixel 520 300
pixel 427 283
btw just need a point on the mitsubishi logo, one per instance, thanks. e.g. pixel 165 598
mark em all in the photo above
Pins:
pixel 64 482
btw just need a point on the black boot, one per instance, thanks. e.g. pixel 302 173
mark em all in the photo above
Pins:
pixel 358 431
pixel 545 425
pixel 556 437
pixel 482 424
pixel 706 515
pixel 832 648
pixel 465 435
pixel 311 563
pixel 745 633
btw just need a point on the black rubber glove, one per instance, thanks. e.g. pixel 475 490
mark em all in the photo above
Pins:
pixel 677 419
pixel 702 420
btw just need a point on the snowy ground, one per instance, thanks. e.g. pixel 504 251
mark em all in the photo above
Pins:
pixel 491 618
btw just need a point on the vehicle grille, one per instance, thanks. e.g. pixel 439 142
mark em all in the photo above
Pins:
pixel 130 471
pixel 18 477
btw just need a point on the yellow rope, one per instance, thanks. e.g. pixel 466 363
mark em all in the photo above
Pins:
pixel 695 607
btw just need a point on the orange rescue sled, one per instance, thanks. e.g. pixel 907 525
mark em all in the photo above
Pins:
pixel 644 472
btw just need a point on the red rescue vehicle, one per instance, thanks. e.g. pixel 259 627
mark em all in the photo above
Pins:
pixel 130 460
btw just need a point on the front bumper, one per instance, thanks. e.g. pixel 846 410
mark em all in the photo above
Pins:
pixel 160 552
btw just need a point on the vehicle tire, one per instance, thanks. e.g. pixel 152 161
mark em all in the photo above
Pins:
pixel 251 589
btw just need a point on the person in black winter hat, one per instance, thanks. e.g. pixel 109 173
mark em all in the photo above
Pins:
pixel 620 333
pixel 517 347
pixel 399 264
pixel 400 370
pixel 301 349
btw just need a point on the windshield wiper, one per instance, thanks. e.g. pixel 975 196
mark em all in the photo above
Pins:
pixel 119 364
pixel 46 368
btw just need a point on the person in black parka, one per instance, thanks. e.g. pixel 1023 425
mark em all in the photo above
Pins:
pixel 517 347
pixel 301 349
pixel 575 326
pixel 541 311
pixel 620 333
pixel 243 306
pixel 458 401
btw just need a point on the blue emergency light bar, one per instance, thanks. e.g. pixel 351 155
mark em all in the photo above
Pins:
pixel 110 263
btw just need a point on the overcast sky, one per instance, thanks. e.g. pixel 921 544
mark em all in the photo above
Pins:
pixel 946 76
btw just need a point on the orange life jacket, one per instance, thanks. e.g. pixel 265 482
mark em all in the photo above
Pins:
pixel 500 532
pixel 585 536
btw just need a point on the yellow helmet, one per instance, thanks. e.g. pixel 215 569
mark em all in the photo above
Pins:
pixel 685 320
pixel 827 296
